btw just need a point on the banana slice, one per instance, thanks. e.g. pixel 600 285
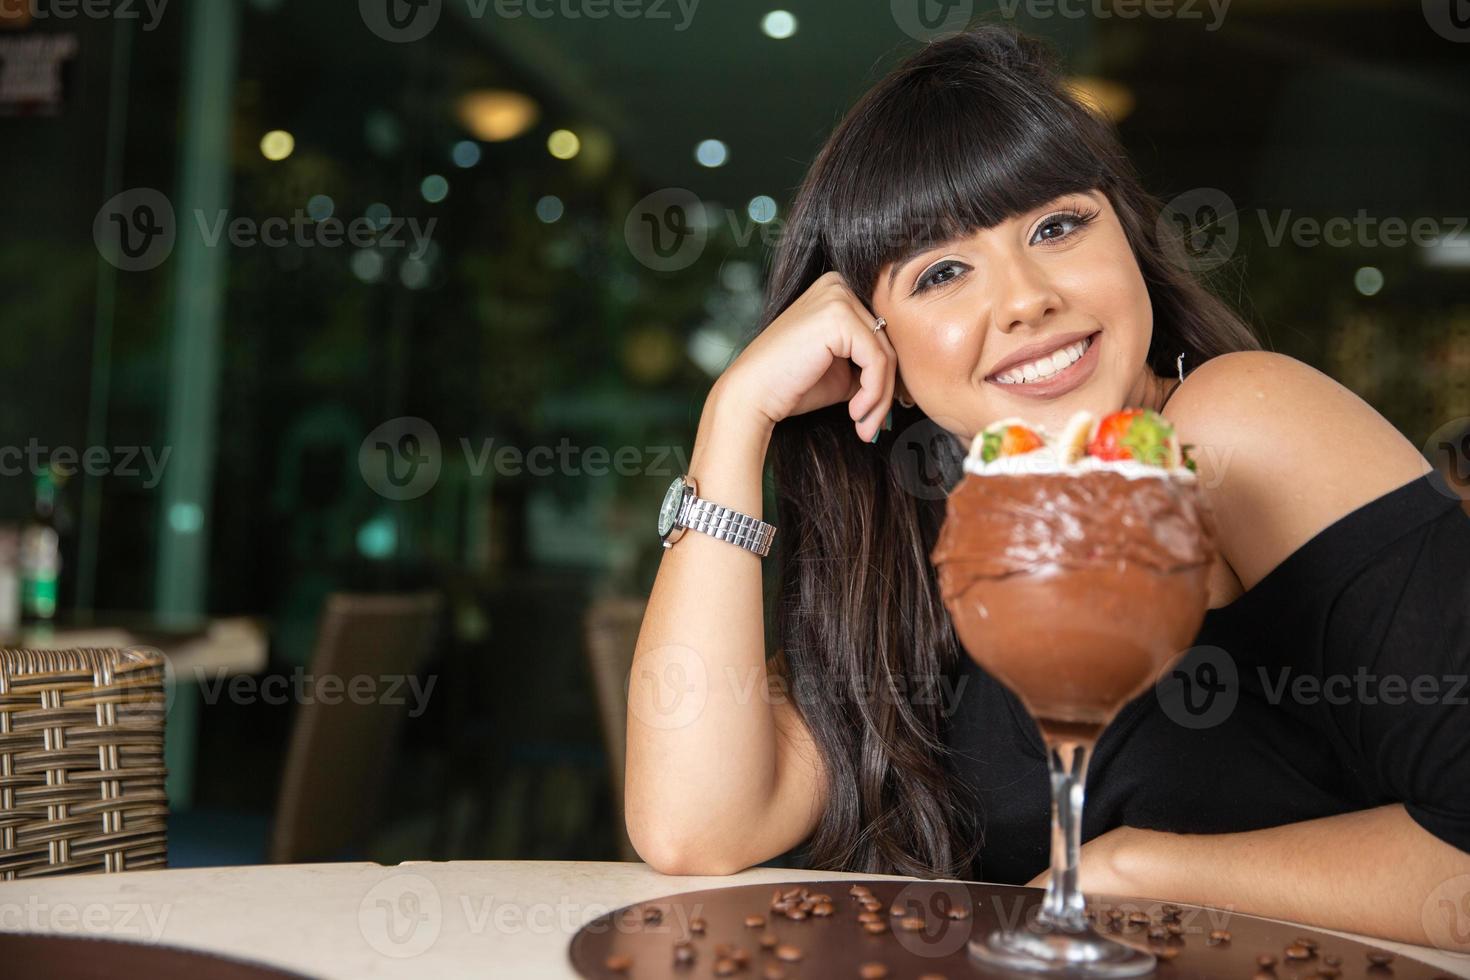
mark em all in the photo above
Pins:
pixel 1075 436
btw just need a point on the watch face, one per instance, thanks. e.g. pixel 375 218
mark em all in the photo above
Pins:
pixel 670 508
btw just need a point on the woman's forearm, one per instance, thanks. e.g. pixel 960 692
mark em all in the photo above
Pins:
pixel 1374 872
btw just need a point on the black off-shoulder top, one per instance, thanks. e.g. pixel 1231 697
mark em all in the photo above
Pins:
pixel 1337 683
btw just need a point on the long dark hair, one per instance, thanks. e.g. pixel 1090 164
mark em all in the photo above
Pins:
pixel 967 132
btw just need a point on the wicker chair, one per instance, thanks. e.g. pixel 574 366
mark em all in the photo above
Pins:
pixel 81 762
pixel 611 630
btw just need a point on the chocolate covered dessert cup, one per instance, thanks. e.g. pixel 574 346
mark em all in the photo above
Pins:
pixel 1075 571
pixel 1075 590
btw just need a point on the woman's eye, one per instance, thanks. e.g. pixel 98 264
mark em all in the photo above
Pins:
pixel 939 275
pixel 1059 226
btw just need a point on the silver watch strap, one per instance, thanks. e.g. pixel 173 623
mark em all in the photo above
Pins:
pixel 729 525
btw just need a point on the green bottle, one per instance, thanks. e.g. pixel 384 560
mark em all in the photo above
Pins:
pixel 40 556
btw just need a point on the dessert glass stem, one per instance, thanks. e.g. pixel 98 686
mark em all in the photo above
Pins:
pixel 1062 907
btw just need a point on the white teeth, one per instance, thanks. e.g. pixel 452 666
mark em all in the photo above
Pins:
pixel 1045 367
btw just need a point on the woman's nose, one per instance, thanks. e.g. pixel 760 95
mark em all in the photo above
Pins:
pixel 1024 296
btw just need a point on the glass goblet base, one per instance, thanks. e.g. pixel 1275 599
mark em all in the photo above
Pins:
pixel 1078 954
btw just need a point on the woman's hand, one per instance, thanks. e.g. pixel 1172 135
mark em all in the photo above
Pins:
pixel 805 360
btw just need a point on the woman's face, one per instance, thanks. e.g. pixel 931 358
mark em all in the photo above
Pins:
pixel 960 312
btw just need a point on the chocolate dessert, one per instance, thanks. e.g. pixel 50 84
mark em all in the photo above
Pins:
pixel 1075 570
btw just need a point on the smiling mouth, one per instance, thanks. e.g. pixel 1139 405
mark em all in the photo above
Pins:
pixel 1045 368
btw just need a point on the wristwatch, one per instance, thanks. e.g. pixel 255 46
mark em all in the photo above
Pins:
pixel 683 509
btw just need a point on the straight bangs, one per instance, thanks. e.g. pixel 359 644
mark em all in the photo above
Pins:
pixel 942 154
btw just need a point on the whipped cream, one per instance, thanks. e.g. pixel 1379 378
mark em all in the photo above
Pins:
pixel 1048 460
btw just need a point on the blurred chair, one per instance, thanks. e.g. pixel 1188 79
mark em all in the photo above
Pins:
pixel 337 764
pixel 81 761
pixel 611 632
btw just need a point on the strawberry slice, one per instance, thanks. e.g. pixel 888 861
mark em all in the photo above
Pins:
pixel 1136 433
pixel 1008 439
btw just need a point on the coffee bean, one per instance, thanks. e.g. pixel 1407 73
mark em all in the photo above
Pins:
pixel 618 962
pixel 1296 951
pixel 1265 961
pixel 1157 932
pixel 773 971
pixel 768 940
pixel 1328 972
pixel 821 897
pixel 932 976
pixel 1379 957
pixel 1309 943
pixel 860 890
pixel 822 909
pixel 723 950
pixel 788 952
pixel 869 917
pixel 1167 952
pixel 652 916
pixel 683 954
pixel 1138 918
pixel 796 914
pixel 1171 909
pixel 875 927
pixel 911 923
pixel 696 924
pixel 724 966
pixel 872 971
pixel 1174 929
pixel 958 912
pixel 898 910
pixel 1218 936
pixel 754 921
pixel 792 893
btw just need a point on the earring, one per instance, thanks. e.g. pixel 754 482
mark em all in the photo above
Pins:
pixel 905 402
pixel 1179 366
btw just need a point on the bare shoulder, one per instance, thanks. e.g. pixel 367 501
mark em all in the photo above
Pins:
pixel 1283 451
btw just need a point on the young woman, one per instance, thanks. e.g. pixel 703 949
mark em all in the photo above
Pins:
pixel 966 216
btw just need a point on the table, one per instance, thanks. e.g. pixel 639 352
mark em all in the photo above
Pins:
pixel 468 918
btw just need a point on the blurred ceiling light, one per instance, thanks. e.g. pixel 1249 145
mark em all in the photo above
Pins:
pixel 465 154
pixel 1111 99
pixel 497 115
pixel 563 144
pixel 434 188
pixel 1450 251
pixel 1368 280
pixel 712 153
pixel 549 209
pixel 778 24
pixel 277 145
pixel 762 209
